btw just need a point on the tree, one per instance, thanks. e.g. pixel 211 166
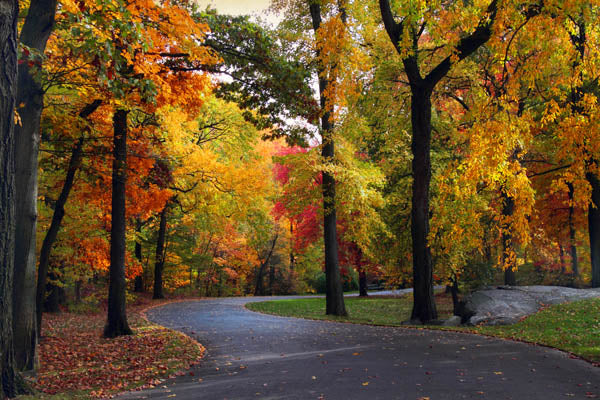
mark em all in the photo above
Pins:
pixel 334 297
pixel 9 10
pixel 30 97
pixel 58 215
pixel 116 324
pixel 405 37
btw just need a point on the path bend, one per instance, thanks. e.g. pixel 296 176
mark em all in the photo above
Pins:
pixel 256 356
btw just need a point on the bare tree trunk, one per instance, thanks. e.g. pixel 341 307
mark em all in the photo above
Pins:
pixel 35 32
pixel 116 324
pixel 9 10
pixel 159 263
pixel 57 217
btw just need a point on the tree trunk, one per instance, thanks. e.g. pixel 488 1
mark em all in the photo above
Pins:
pixel 57 216
pixel 220 287
pixel 116 324
pixel 292 255
pixel 159 263
pixel 271 278
pixel 334 295
pixel 138 283
pixel 362 283
pixel 455 301
pixel 508 209
pixel 424 304
pixel 594 228
pixel 561 257
pixel 572 245
pixel 52 301
pixel 259 288
pixel 9 11
pixel 78 292
pixel 30 97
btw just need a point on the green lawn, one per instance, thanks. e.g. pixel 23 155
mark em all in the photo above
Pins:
pixel 370 310
pixel 572 327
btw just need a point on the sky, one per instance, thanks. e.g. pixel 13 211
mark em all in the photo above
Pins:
pixel 239 7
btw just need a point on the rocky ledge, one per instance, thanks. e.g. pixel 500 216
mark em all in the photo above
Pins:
pixel 506 305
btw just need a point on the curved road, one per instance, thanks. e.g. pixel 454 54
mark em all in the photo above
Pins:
pixel 256 356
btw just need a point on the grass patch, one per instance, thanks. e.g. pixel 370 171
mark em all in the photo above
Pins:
pixel 374 310
pixel 572 327
pixel 77 363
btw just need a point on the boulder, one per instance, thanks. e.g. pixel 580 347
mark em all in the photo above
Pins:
pixel 454 320
pixel 506 305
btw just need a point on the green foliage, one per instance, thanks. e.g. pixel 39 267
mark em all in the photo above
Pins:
pixel 272 86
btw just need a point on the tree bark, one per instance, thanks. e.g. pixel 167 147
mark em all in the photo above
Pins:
pixel 57 217
pixel 362 283
pixel 594 227
pixel 508 209
pixel 34 34
pixel 334 295
pixel 52 300
pixel 423 301
pixel 159 263
pixel 138 283
pixel 572 245
pixel 9 10
pixel 116 324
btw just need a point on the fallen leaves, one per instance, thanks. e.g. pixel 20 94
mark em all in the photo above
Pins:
pixel 74 356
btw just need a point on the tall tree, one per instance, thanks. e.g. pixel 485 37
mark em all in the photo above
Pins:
pixel 30 97
pixel 335 294
pixel 58 215
pixel 116 324
pixel 9 10
pixel 422 88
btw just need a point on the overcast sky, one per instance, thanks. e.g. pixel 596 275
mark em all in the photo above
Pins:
pixel 239 7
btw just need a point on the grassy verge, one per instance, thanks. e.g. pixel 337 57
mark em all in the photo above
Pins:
pixel 572 327
pixel 374 310
pixel 77 363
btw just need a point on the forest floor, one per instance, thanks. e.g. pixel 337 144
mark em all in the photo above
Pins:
pixel 76 362
pixel 571 327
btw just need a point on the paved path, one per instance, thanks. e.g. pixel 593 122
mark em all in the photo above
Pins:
pixel 256 356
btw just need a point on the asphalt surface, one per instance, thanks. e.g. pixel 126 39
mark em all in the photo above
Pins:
pixel 256 356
